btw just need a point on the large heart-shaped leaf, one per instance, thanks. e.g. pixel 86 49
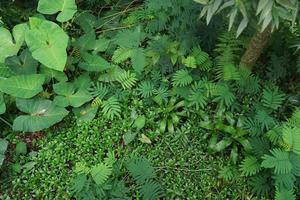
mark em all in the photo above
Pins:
pixel 48 43
pixel 94 63
pixel 2 104
pixel 42 114
pixel 23 64
pixel 69 96
pixel 22 86
pixel 53 74
pixel 9 46
pixel 67 8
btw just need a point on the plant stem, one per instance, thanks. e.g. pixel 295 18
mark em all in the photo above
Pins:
pixel 6 122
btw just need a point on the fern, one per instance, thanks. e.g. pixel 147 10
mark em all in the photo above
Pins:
pixel 127 79
pixel 228 173
pixel 111 108
pixel 146 89
pixel 272 98
pixel 279 160
pixel 228 72
pixel 141 170
pixel 285 180
pixel 224 96
pixel 260 184
pixel 250 166
pixel 265 119
pixel 197 96
pixel 248 83
pixel 161 95
pixel 151 191
pixel 260 146
pixel 121 55
pixel 129 38
pixel 98 90
pixel 182 78
pixel 291 137
pixel 284 195
pixel 100 173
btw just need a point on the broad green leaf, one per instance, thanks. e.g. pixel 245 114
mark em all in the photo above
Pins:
pixel 85 113
pixel 94 63
pixel 83 81
pixel 69 96
pixel 48 43
pixel 53 74
pixel 121 55
pixel 10 45
pixel 41 114
pixel 190 61
pixel 22 86
pixel 139 122
pixel 2 104
pixel 21 148
pixel 86 21
pixel 86 42
pixel 23 64
pixel 67 8
pixel 5 71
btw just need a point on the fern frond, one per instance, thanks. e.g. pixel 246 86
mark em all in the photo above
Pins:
pixel 248 83
pixel 224 96
pixel 98 90
pixel 279 160
pixel 260 146
pixel 96 102
pixel 272 98
pixel 250 166
pixel 127 79
pixel 161 95
pixel 228 72
pixel 291 137
pixel 197 96
pixel 227 173
pixel 151 191
pixel 140 169
pixel 100 173
pixel 285 180
pixel 121 55
pixel 284 194
pixel 261 185
pixel 111 108
pixel 265 120
pixel 182 78
pixel 146 89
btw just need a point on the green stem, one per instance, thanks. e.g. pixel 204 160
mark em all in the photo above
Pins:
pixel 6 122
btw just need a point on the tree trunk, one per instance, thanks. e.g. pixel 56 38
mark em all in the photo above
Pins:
pixel 255 48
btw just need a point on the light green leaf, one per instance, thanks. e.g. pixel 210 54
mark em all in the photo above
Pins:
pixel 9 46
pixel 53 74
pixel 144 139
pixel 94 63
pixel 121 55
pixel 139 122
pixel 129 137
pixel 67 8
pixel 85 113
pixel 2 104
pixel 190 61
pixel 69 96
pixel 48 43
pixel 100 173
pixel 3 147
pixel 22 86
pixel 21 148
pixel 42 114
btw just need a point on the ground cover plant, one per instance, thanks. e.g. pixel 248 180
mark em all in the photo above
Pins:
pixel 128 99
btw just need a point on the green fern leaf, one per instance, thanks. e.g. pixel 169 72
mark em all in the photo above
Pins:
pixel 291 137
pixel 146 89
pixel 182 78
pixel 284 194
pixel 227 173
pixel 121 55
pixel 250 166
pixel 228 72
pixel 279 160
pixel 224 96
pixel 141 170
pixel 111 108
pixel 100 173
pixel 272 98
pixel 197 96
pixel 190 61
pixel 98 90
pixel 151 191
pixel 127 79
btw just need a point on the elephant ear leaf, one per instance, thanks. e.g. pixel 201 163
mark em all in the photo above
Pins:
pixel 67 8
pixel 47 43
pixel 11 43
pixel 2 104
pixel 22 86
pixel 41 114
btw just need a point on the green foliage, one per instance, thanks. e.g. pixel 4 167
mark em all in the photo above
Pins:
pixel 127 79
pixel 250 166
pixel 272 98
pixel 111 108
pixel 182 78
pixel 3 147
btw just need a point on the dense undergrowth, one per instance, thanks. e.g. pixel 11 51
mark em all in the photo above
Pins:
pixel 143 100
